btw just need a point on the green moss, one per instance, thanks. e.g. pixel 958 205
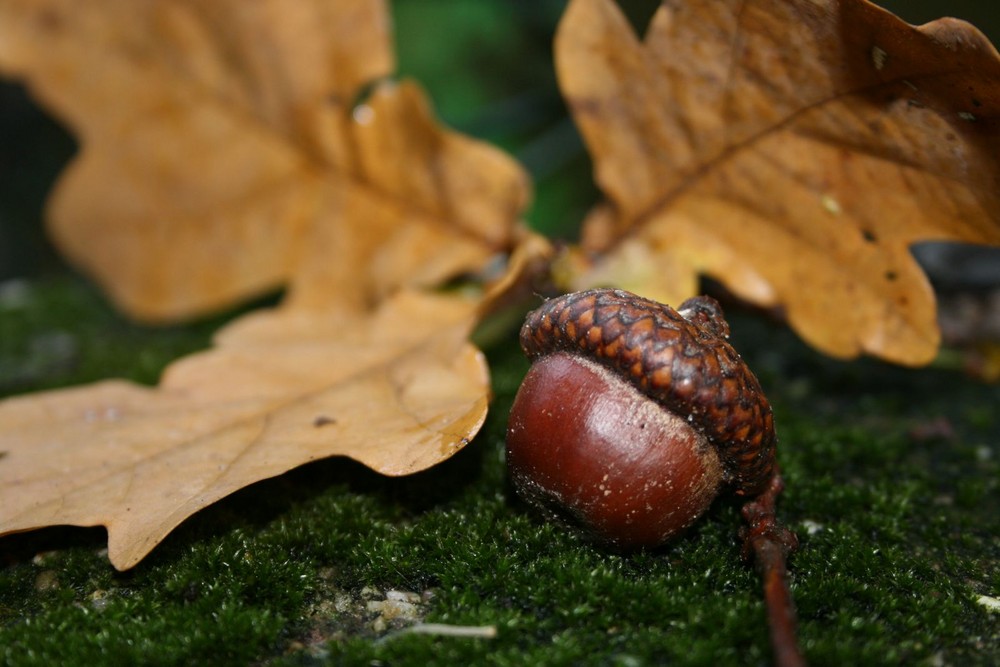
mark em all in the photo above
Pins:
pixel 899 537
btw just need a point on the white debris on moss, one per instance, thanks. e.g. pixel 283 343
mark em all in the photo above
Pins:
pixel 991 603
pixel 397 605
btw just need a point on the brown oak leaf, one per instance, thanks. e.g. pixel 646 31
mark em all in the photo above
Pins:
pixel 223 154
pixel 791 149
pixel 398 391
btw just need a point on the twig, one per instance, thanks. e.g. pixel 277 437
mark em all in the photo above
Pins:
pixel 769 544
pixel 444 630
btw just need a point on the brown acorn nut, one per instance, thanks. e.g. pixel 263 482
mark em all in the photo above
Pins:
pixel 634 416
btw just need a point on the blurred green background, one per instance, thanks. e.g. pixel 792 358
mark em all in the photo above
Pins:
pixel 487 65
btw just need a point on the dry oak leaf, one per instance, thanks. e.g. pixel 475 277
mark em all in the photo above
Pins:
pixel 793 150
pixel 223 154
pixel 398 390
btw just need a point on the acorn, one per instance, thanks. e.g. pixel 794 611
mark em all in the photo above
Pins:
pixel 634 416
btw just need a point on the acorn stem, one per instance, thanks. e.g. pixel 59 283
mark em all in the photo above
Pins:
pixel 770 543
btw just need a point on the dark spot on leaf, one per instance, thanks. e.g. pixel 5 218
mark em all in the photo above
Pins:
pixel 869 236
pixel 50 20
pixel 323 420
pixel 891 275
pixel 586 106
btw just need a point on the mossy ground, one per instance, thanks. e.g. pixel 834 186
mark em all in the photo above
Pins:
pixel 892 486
